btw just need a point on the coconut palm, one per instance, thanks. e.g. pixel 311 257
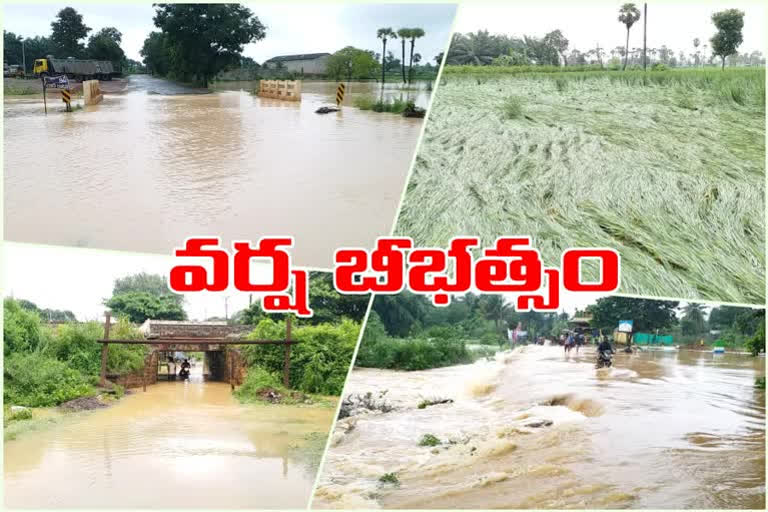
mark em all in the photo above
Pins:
pixel 384 34
pixel 475 48
pixel 628 15
pixel 414 34
pixel 403 34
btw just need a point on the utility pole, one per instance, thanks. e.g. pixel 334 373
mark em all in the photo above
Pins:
pixel 23 59
pixel 645 34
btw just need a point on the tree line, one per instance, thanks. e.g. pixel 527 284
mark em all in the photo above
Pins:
pixel 69 38
pixel 486 318
pixel 482 48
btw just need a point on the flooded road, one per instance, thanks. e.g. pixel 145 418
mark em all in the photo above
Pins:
pixel 146 168
pixel 178 445
pixel 532 429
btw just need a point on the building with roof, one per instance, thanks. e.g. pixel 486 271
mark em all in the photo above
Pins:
pixel 304 63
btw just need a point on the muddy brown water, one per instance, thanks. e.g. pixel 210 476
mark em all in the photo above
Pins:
pixel 159 162
pixel 659 430
pixel 179 445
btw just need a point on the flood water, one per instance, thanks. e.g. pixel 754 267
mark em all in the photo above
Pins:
pixel 158 162
pixel 658 430
pixel 179 445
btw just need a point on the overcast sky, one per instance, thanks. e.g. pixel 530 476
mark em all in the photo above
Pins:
pixel 587 23
pixel 292 27
pixel 79 280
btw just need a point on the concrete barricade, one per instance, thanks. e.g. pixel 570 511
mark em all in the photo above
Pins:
pixel 91 92
pixel 289 90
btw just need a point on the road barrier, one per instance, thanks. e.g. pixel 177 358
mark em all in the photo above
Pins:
pixel 289 90
pixel 92 92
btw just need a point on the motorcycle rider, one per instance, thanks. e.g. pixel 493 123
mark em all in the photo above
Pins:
pixel 604 349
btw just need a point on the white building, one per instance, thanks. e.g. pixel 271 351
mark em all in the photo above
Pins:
pixel 305 63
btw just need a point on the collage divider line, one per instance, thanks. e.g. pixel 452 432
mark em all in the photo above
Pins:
pixel 364 323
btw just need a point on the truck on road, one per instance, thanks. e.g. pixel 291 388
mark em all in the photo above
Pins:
pixel 75 69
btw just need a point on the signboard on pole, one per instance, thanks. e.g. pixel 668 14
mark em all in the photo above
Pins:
pixel 625 325
pixel 56 82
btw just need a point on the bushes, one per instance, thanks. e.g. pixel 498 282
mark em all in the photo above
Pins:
pixel 77 345
pixel 34 380
pixel 395 106
pixel 21 329
pixel 319 362
pixel 255 382
pixel 411 354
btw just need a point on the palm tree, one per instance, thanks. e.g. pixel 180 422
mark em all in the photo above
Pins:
pixel 403 34
pixel 384 34
pixel 476 48
pixel 628 15
pixel 414 34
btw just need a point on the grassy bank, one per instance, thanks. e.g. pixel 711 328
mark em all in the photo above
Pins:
pixel 665 166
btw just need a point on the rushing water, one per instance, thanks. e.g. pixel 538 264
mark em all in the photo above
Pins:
pixel 155 164
pixel 179 445
pixel 658 430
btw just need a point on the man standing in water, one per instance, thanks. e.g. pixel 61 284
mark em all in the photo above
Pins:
pixel 171 368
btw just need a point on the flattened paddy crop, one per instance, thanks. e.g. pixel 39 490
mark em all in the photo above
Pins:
pixel 667 167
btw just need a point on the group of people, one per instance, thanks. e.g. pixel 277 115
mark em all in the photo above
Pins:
pixel 572 339
pixel 183 371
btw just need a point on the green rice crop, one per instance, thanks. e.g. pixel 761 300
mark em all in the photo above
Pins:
pixel 665 166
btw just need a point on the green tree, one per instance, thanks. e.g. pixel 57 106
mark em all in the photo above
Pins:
pixel 494 308
pixel 403 34
pixel 475 48
pixel 351 63
pixel 413 34
pixel 728 36
pixel 331 307
pixel 140 306
pixel 693 321
pixel 204 39
pixel 105 45
pixel 557 40
pixel 35 48
pixel 154 54
pixel 646 314
pixel 384 34
pixel 629 14
pixel 12 51
pixel 67 32
pixel 153 284
pixel 50 315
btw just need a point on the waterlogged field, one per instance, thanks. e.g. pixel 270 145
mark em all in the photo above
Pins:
pixel 665 166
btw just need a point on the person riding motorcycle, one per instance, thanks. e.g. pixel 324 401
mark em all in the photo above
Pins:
pixel 604 352
pixel 185 366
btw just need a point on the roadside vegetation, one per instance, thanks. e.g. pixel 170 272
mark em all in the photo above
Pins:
pixel 321 357
pixel 406 332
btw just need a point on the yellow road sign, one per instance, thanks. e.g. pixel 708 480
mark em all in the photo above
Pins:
pixel 340 90
pixel 66 96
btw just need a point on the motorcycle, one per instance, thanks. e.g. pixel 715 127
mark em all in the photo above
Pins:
pixel 604 360
pixel 184 374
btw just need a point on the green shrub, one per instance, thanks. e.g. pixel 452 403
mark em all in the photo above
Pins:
pixel 411 353
pixel 34 380
pixel 760 382
pixel 24 414
pixel 561 84
pixel 389 478
pixel 22 331
pixel 256 380
pixel 429 440
pixel 77 345
pixel 364 102
pixel 319 361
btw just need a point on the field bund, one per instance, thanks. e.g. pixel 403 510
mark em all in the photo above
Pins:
pixel 665 166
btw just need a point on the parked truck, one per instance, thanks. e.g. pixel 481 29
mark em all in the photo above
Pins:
pixel 75 69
